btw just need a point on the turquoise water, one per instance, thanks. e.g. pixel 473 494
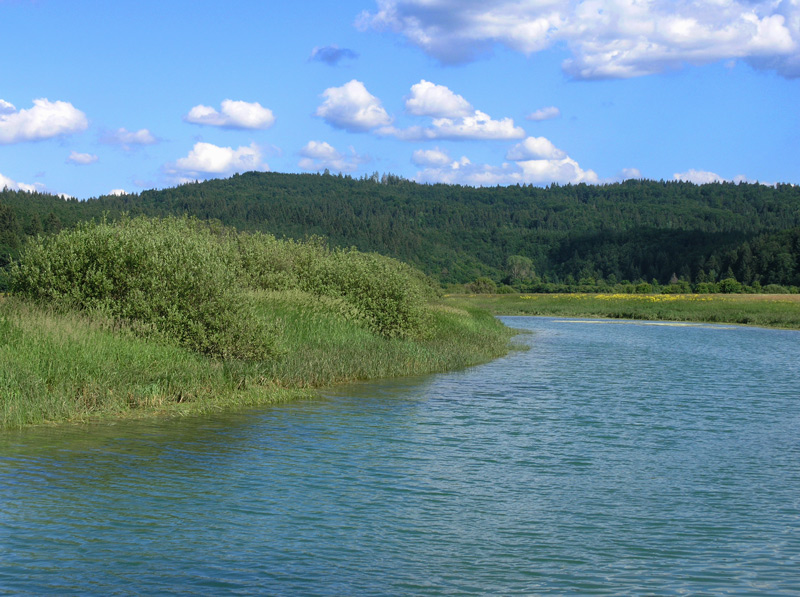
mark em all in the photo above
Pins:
pixel 610 458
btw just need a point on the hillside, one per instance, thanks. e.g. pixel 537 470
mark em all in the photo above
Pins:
pixel 635 230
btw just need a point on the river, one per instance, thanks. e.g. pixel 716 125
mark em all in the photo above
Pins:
pixel 609 458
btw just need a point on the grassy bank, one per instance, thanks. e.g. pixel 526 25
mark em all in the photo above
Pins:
pixel 780 310
pixel 203 319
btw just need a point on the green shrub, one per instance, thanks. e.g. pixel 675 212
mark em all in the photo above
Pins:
pixel 482 286
pixel 729 286
pixel 170 277
pixel 705 288
pixel 386 296
pixel 774 289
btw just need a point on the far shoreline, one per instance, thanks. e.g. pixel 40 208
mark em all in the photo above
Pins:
pixel 781 311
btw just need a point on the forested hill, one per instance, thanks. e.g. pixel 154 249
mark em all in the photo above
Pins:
pixel 635 230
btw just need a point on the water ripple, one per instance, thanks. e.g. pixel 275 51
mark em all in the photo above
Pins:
pixel 607 459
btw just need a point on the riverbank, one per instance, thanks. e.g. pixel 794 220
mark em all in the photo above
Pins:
pixel 776 310
pixel 70 367
pixel 175 316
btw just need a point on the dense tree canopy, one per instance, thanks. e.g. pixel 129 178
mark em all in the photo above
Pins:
pixel 638 230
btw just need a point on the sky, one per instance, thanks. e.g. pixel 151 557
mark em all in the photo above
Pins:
pixel 117 97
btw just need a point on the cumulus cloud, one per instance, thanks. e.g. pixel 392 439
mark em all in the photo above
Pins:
pixel 564 170
pixel 319 155
pixel 547 113
pixel 453 118
pixel 536 161
pixel 698 176
pixel 232 115
pixel 332 54
pixel 128 139
pixel 428 99
pixel 12 185
pixel 207 159
pixel 606 38
pixel 118 192
pixel 477 126
pixel 352 108
pixel 44 120
pixel 81 158
pixel 535 148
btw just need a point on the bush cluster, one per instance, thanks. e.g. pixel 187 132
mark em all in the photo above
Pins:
pixel 190 282
pixel 171 278
pixel 385 295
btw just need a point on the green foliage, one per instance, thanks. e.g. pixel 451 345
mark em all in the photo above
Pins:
pixel 519 267
pixel 385 295
pixel 783 312
pixel 482 285
pixel 636 230
pixel 729 286
pixel 775 289
pixel 172 278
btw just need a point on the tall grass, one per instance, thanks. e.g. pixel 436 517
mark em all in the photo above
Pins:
pixel 57 366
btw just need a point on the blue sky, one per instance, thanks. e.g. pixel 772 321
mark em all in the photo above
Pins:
pixel 99 97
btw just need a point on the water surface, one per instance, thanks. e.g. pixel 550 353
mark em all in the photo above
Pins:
pixel 610 458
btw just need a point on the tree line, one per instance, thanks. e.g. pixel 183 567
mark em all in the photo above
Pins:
pixel 559 236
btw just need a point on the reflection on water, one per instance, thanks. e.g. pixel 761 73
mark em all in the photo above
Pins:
pixel 607 459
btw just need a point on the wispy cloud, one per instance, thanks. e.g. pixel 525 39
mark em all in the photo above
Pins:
pixel 547 113
pixel 128 139
pixel 81 159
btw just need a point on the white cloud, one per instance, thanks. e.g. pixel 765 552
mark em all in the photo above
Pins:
pixel 232 114
pixel 478 126
pixel 564 170
pixel 44 120
pixel 6 182
pixel 698 176
pixel 706 177
pixel 208 159
pixel 118 192
pixel 428 99
pixel 453 117
pixel 607 38
pixel 430 157
pixel 535 161
pixel 352 108
pixel 535 148
pixel 81 158
pixel 629 173
pixel 127 139
pixel 319 155
pixel 547 113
